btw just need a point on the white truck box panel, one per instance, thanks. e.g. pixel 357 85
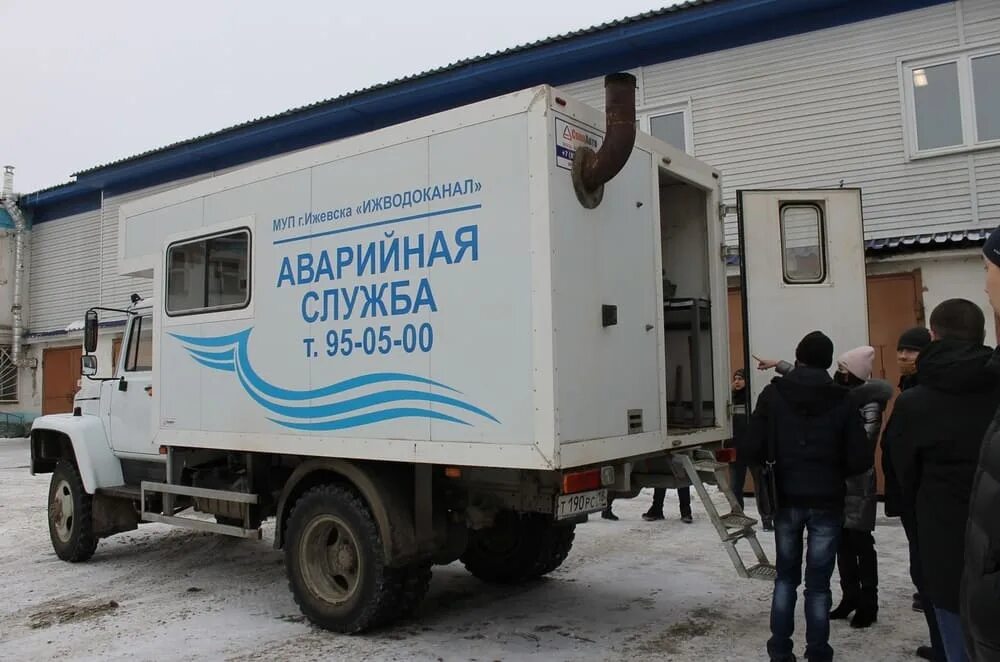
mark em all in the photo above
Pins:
pixel 517 363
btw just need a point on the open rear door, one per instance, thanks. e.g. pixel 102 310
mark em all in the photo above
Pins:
pixel 803 269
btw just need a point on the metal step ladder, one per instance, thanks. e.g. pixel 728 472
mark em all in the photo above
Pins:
pixel 733 526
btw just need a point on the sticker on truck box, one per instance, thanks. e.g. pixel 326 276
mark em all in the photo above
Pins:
pixel 569 137
pixel 336 406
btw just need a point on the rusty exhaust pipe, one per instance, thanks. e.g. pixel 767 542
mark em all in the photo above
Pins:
pixel 592 170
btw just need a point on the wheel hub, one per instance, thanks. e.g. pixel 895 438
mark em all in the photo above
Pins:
pixel 330 559
pixel 61 511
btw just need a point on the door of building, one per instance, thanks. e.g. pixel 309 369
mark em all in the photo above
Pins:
pixel 895 304
pixel 60 374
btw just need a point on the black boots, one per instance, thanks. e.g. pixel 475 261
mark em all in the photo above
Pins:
pixel 847 605
pixel 867 612
pixel 864 608
pixel 863 605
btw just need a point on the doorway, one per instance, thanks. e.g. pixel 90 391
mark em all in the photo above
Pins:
pixel 60 374
pixel 895 304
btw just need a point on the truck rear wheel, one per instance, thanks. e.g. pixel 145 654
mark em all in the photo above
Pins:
pixel 518 547
pixel 414 582
pixel 71 525
pixel 335 562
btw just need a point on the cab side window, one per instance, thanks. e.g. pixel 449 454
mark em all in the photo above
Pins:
pixel 140 345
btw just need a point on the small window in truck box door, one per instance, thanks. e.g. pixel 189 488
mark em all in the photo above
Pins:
pixel 803 244
pixel 209 274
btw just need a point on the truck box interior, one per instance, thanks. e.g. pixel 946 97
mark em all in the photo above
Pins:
pixel 687 305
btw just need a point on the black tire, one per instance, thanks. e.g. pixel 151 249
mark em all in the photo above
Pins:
pixel 335 562
pixel 518 547
pixel 414 582
pixel 70 515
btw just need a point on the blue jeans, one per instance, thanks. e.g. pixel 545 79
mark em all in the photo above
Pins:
pixel 950 626
pixel 823 534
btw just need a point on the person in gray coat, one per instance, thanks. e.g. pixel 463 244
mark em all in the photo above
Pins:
pixel 857 561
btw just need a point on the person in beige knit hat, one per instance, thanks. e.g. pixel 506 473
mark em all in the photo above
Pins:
pixel 856 558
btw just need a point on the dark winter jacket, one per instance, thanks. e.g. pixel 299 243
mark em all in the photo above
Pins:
pixel 810 475
pixel 935 436
pixel 862 491
pixel 892 493
pixel 740 419
pixel 861 501
pixel 980 606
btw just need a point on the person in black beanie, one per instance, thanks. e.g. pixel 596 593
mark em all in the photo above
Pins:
pixel 935 439
pixel 908 348
pixel 818 441
pixel 980 592
pixel 911 342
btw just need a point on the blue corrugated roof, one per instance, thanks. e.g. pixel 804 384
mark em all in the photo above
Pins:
pixel 698 26
pixel 928 241
pixel 912 243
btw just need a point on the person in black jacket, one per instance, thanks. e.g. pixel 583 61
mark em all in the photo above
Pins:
pixel 739 468
pixel 980 595
pixel 935 437
pixel 818 441
pixel 856 558
pixel 908 349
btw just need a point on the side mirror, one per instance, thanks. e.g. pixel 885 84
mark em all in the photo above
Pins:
pixel 90 332
pixel 88 365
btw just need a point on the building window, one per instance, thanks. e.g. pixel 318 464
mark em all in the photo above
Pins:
pixel 209 274
pixel 8 376
pixel 672 125
pixel 953 103
pixel 803 244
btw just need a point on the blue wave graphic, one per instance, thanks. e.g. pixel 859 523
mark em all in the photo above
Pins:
pixel 230 353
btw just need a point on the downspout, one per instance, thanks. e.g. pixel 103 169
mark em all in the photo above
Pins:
pixel 20 237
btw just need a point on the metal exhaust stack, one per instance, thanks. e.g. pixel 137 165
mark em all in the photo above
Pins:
pixel 592 170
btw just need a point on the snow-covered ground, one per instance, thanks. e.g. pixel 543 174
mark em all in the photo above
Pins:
pixel 630 590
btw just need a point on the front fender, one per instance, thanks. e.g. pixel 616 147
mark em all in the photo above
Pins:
pixel 96 462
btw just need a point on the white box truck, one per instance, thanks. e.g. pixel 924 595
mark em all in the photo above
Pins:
pixel 448 339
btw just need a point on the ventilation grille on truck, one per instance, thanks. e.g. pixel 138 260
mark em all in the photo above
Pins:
pixel 634 421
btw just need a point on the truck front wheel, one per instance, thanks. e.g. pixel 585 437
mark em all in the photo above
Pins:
pixel 518 547
pixel 335 562
pixel 71 526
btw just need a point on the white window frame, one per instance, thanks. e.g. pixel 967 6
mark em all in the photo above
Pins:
pixel 967 101
pixel 680 106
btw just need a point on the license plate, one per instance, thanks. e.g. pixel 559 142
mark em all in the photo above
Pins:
pixel 570 505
